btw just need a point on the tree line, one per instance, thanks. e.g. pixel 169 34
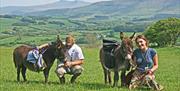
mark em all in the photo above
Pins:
pixel 164 32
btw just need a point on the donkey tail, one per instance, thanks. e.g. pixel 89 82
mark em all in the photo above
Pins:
pixel 15 58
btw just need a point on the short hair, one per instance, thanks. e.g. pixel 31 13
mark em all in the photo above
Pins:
pixel 70 38
pixel 142 37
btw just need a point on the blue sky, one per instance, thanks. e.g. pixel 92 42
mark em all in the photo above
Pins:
pixel 32 2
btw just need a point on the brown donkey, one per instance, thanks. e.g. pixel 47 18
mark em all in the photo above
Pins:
pixel 56 50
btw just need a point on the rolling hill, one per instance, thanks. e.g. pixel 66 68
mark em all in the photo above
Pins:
pixel 118 8
pixel 56 5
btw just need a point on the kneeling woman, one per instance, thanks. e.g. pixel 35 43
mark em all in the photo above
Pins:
pixel 146 60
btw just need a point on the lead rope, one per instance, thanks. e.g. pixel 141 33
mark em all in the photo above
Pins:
pixel 144 58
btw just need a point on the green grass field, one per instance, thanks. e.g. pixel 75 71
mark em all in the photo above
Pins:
pixel 168 74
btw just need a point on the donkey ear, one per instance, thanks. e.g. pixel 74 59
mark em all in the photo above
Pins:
pixel 132 36
pixel 121 35
pixel 58 38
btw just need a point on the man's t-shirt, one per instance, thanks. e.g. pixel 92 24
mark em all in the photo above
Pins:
pixel 74 53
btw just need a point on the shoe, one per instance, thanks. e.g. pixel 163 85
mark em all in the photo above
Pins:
pixel 41 68
pixel 160 87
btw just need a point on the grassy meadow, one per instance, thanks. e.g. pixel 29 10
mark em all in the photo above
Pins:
pixel 168 74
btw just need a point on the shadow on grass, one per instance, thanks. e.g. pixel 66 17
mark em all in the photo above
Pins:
pixel 31 82
pixel 143 89
pixel 99 86
pixel 95 86
pixel 87 86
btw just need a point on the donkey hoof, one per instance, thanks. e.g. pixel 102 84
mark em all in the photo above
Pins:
pixel 115 85
pixel 25 80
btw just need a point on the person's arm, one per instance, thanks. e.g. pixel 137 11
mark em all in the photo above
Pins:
pixel 43 46
pixel 78 61
pixel 73 63
pixel 155 65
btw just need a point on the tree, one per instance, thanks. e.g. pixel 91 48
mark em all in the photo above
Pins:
pixel 28 20
pixel 18 32
pixel 164 32
pixel 92 40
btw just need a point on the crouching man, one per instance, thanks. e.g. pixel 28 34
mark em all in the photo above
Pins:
pixel 72 63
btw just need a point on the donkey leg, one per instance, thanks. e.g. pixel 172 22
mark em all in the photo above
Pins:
pixel 18 73
pixel 123 78
pixel 46 74
pixel 105 76
pixel 116 78
pixel 23 72
pixel 109 77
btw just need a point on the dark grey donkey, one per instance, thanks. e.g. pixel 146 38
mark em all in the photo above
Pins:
pixel 116 57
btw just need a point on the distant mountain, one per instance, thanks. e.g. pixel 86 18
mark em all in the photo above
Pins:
pixel 118 8
pixel 62 4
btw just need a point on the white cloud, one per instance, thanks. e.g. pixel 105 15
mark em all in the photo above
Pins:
pixel 24 2
pixel 95 0
pixel 33 2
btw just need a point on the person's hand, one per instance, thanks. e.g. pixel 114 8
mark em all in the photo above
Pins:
pixel 67 64
pixel 149 71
